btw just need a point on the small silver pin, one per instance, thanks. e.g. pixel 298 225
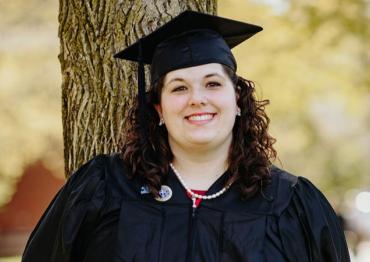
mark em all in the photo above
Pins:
pixel 164 194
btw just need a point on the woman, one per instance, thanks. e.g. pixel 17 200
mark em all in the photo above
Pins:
pixel 194 180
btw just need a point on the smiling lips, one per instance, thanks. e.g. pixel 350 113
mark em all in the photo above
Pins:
pixel 200 117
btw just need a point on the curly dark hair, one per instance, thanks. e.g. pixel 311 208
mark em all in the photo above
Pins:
pixel 251 152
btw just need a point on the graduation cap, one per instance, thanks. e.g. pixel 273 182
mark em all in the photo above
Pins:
pixel 189 39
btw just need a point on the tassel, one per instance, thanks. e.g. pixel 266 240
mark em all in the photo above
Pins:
pixel 142 95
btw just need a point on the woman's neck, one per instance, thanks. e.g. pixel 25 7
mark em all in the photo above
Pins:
pixel 200 168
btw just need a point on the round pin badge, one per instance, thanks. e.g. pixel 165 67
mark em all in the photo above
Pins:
pixel 164 194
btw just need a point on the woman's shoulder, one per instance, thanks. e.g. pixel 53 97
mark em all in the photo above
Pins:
pixel 286 188
pixel 104 173
pixel 98 166
pixel 305 218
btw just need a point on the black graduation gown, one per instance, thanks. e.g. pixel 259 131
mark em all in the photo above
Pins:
pixel 100 215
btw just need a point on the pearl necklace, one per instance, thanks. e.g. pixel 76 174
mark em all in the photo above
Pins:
pixel 194 196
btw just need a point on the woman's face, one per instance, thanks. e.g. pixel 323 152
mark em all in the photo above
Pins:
pixel 198 106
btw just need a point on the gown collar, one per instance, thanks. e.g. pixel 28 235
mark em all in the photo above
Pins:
pixel 229 201
pixel 272 200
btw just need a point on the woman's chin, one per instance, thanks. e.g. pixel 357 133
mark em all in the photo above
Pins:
pixel 201 139
pixel 204 143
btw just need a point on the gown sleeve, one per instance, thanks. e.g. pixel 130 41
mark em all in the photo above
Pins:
pixel 73 209
pixel 310 229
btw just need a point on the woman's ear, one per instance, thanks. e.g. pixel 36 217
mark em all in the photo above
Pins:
pixel 158 108
pixel 237 94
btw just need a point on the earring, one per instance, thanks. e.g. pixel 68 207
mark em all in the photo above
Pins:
pixel 238 112
pixel 161 122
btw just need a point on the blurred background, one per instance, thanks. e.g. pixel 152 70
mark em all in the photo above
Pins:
pixel 311 61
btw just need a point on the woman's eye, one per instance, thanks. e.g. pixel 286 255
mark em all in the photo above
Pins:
pixel 179 88
pixel 213 84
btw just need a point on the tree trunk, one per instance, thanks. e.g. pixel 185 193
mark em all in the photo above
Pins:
pixel 97 90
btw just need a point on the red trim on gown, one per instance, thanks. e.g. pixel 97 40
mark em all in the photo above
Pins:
pixel 199 192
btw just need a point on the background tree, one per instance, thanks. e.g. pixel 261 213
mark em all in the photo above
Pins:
pixel 96 89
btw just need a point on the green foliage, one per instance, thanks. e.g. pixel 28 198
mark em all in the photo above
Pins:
pixel 30 103
pixel 311 61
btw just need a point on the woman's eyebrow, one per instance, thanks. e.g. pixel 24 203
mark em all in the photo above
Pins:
pixel 175 79
pixel 213 74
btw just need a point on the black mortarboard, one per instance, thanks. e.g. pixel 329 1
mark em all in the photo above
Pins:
pixel 189 39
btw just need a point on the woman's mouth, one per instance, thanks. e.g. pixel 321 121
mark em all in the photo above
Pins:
pixel 200 118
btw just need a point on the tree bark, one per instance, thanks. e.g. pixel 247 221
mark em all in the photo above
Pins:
pixel 97 90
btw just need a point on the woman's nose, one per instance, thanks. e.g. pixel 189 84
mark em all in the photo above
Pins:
pixel 198 97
